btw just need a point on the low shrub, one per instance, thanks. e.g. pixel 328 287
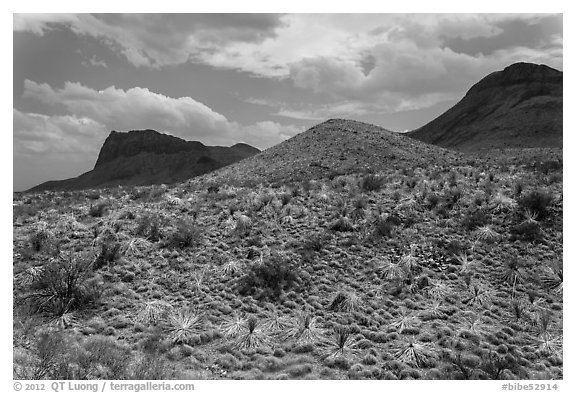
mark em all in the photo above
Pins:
pixel 63 286
pixel 186 235
pixel 98 210
pixel 371 183
pixel 536 201
pixel 475 219
pixel 271 277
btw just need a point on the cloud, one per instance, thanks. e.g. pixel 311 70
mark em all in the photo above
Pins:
pixel 69 135
pixel 156 40
pixel 140 108
pixel 94 62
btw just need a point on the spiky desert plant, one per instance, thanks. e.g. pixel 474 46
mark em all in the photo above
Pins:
pixel 511 273
pixel 409 262
pixel 406 319
pixel 473 323
pixel 554 279
pixel 502 203
pixel 304 329
pixel 478 295
pixel 530 217
pixel 275 323
pixel 198 279
pixel 345 301
pixel 415 354
pixel 518 309
pixel 152 312
pixel 232 327
pixel 438 289
pixel 342 343
pixel 390 270
pixel 231 268
pixel 183 325
pixel 342 224
pixel 543 321
pixel 408 204
pixel 30 275
pixel 434 310
pixel 65 320
pixel 252 335
pixel 135 247
pixel 549 344
pixel 467 263
pixel 487 234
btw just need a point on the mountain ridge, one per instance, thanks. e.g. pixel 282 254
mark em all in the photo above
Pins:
pixel 518 107
pixel 145 157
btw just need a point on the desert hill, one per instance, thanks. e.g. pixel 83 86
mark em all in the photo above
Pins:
pixel 518 107
pixel 148 157
pixel 336 146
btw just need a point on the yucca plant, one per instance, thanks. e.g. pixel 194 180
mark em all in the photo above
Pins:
pixel 434 310
pixel 530 217
pixel 198 280
pixel 438 289
pixel 152 312
pixel 345 301
pixel 511 273
pixel 342 343
pixel 467 263
pixel 502 203
pixel 252 335
pixel 554 279
pixel 415 354
pixel 474 323
pixel 65 320
pixel 183 325
pixel 487 234
pixel 405 320
pixel 409 262
pixel 135 247
pixel 276 323
pixel 390 270
pixel 231 268
pixel 232 327
pixel 549 344
pixel 305 329
pixel 479 295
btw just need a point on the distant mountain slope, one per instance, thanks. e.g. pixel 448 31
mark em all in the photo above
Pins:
pixel 149 157
pixel 335 146
pixel 520 106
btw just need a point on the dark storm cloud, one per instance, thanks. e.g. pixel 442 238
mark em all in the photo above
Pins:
pixel 538 32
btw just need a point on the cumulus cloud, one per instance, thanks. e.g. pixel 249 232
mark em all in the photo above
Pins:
pixel 69 135
pixel 136 108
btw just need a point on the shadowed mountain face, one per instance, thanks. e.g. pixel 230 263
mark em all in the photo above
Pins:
pixel 149 157
pixel 518 107
pixel 336 146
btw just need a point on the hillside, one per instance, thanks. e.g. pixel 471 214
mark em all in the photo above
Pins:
pixel 149 157
pixel 518 107
pixel 448 271
pixel 336 146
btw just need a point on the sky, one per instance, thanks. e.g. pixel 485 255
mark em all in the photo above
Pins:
pixel 253 78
